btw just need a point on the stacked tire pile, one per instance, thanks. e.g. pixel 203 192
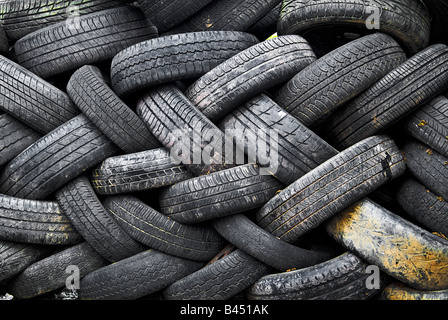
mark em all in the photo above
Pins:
pixel 102 106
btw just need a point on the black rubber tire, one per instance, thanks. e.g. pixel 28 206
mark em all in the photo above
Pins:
pixel 16 257
pixel 298 149
pixel 87 214
pixel 150 227
pixel 147 170
pixel 438 10
pixel 91 93
pixel 236 15
pixel 266 26
pixel 32 100
pixel 173 58
pixel 398 291
pixel 429 124
pixel 14 137
pixel 49 274
pixel 4 42
pixel 248 73
pixel 178 124
pixel 166 14
pixel 341 278
pixel 220 280
pixel 245 235
pixel 331 187
pixel 55 159
pixel 336 78
pixel 402 91
pixel 428 166
pixel 21 18
pixel 35 222
pixel 218 194
pixel 398 247
pixel 135 277
pixel 422 206
pixel 407 21
pixel 58 49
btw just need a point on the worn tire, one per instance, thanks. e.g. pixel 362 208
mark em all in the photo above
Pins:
pixel 174 58
pixel 146 170
pixel 398 291
pixel 402 91
pixel 55 159
pixel 218 194
pixel 325 85
pixel 248 73
pixel 331 187
pixel 98 37
pixel 266 26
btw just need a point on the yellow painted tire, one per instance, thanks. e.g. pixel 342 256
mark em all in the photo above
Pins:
pixel 397 291
pixel 401 249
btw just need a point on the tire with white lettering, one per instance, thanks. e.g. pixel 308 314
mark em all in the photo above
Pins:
pixel 173 58
pixel 331 187
pixel 334 79
pixel 220 280
pixel 55 159
pixel 218 194
pixel 135 277
pixel 342 278
pixel 97 37
pixel 150 227
pixel 248 73
pixel 333 23
pixel 50 273
pixel 146 170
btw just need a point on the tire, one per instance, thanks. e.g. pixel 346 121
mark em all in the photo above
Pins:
pixel 402 91
pixel 93 96
pixel 438 11
pixel 16 257
pixel 245 235
pixel 398 291
pixel 94 223
pixel 14 137
pixel 35 222
pixel 321 88
pixel 295 150
pixel 55 159
pixel 247 74
pixel 266 26
pixel 50 274
pixel 429 124
pixel 428 166
pixel 399 248
pixel 406 21
pixel 98 37
pixel 168 14
pixel 4 43
pixel 331 187
pixel 422 206
pixel 20 18
pixel 218 194
pixel 135 277
pixel 147 226
pixel 174 58
pixel 32 100
pixel 341 278
pixel 220 280
pixel 146 170
pixel 184 130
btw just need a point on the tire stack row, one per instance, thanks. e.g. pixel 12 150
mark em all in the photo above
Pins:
pixel 102 105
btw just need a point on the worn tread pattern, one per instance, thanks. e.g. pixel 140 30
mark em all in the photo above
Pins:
pixel 146 170
pixel 334 79
pixel 266 26
pixel 150 227
pixel 87 214
pixel 98 37
pixel 248 73
pixel 331 187
pixel 55 159
pixel 93 96
pixel 218 194
pixel 402 91
pixel 173 58
pixel 135 277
